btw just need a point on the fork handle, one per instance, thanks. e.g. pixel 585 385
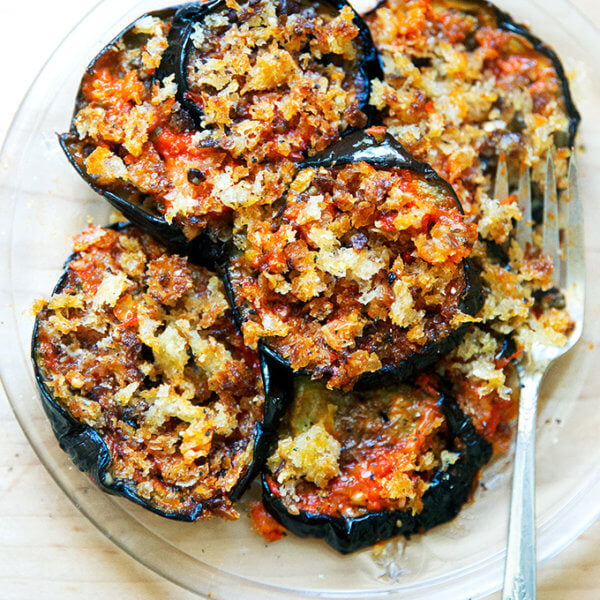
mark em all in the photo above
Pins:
pixel 520 566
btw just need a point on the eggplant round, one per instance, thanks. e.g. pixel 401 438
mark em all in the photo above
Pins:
pixel 485 49
pixel 253 306
pixel 476 86
pixel 176 57
pixel 102 440
pixel 448 489
pixel 126 198
pixel 136 139
pixel 505 22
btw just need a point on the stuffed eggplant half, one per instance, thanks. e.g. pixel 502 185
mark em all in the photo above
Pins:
pixel 192 113
pixel 146 381
pixel 359 468
pixel 362 272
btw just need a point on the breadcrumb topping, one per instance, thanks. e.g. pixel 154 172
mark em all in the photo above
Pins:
pixel 460 92
pixel 347 454
pixel 270 86
pixel 361 267
pixel 139 344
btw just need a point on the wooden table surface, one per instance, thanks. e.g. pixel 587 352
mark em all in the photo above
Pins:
pixel 48 550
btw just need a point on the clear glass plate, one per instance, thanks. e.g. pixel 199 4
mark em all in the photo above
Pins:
pixel 44 203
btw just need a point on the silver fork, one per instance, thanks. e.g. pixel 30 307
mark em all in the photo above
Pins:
pixel 569 277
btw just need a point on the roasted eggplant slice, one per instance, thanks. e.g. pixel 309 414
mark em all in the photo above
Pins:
pixel 272 87
pixel 482 375
pixel 132 55
pixel 360 468
pixel 147 382
pixel 491 16
pixel 363 273
pixel 204 33
pixel 465 84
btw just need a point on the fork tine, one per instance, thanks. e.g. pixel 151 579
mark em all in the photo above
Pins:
pixel 523 228
pixel 550 235
pixel 563 216
pixel 501 184
pixel 574 286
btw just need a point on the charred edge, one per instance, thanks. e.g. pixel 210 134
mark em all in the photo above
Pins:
pixel 174 60
pixel 470 304
pixel 86 448
pixel 169 236
pixel 202 250
pixel 389 153
pixel 447 493
pixel 163 14
pixel 279 392
pixel 224 271
pixel 370 65
pixel 90 453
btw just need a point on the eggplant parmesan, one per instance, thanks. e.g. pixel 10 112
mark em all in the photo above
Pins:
pixel 193 113
pixel 147 382
pixel 362 272
pixel 359 468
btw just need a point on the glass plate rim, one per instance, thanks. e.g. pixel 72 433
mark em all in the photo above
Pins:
pixel 580 499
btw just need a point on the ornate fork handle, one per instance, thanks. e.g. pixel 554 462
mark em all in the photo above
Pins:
pixel 520 569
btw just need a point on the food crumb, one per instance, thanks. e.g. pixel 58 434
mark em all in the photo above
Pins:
pixel 264 523
pixel 38 304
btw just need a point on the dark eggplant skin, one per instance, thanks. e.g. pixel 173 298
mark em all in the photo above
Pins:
pixel 124 198
pixel 448 491
pixel 89 451
pixel 203 249
pixel 388 153
pixel 174 59
pixel 279 391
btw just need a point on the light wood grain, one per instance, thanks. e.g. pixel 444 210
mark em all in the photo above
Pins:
pixel 48 550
